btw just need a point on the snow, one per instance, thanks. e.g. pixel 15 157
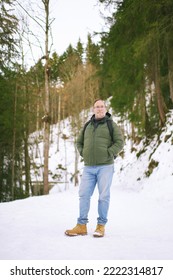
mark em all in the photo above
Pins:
pixel 138 228
pixel 140 224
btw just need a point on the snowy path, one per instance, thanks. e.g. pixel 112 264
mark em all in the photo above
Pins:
pixel 139 227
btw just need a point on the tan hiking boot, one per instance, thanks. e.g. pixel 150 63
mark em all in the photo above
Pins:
pixel 77 230
pixel 100 231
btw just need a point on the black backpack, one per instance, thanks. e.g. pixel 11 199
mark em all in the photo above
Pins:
pixel 110 127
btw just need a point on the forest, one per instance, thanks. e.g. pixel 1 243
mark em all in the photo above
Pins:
pixel 132 64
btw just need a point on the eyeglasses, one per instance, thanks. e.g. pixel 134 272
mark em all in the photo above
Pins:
pixel 99 107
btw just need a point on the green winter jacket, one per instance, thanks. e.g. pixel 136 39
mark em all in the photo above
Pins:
pixel 95 145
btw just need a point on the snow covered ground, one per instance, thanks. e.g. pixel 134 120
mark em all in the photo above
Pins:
pixel 140 225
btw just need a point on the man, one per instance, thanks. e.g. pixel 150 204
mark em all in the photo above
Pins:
pixel 97 149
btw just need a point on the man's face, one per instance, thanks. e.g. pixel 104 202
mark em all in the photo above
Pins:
pixel 99 109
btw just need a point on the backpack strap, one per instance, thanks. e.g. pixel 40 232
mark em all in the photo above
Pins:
pixel 110 127
pixel 85 125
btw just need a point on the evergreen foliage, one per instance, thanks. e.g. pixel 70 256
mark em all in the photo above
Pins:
pixel 8 28
pixel 135 70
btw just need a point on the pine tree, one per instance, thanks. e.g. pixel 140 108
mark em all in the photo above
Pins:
pixel 8 27
pixel 135 52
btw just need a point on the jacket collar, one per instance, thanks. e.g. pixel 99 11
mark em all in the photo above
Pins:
pixel 107 116
pixel 95 122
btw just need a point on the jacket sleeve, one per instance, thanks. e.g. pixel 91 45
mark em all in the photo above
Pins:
pixel 80 142
pixel 118 144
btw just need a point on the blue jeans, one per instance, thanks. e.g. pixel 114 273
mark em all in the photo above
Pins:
pixel 102 176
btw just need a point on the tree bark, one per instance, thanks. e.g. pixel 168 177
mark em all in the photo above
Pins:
pixel 76 172
pixel 47 107
pixel 160 100
pixel 26 148
pixel 13 148
pixel 170 65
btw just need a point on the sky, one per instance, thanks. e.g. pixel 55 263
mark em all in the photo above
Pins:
pixel 74 20
pixel 139 231
pixel 71 20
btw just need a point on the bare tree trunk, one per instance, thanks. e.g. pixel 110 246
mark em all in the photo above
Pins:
pixel 26 148
pixel 47 107
pixel 59 117
pixel 37 121
pixel 170 66
pixel 160 101
pixel 1 174
pixel 132 133
pixel 27 166
pixel 65 158
pixel 76 173
pixel 13 147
